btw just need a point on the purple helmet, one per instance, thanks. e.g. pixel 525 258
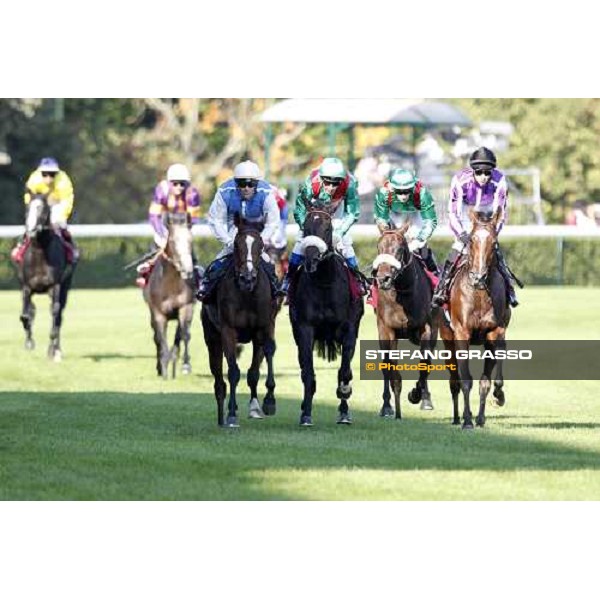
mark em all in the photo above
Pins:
pixel 49 164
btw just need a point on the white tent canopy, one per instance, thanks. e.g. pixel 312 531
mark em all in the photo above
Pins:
pixel 399 111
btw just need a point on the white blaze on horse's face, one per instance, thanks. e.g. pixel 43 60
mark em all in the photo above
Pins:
pixel 182 242
pixel 36 207
pixel 481 236
pixel 249 243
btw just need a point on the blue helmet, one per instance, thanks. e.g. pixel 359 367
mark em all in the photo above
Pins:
pixel 49 164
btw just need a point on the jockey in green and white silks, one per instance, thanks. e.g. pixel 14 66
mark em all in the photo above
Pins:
pixel 332 189
pixel 404 199
pixel 254 200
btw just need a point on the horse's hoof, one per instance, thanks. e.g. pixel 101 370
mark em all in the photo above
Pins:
pixel 269 409
pixel 29 344
pixel 480 422
pixel 254 410
pixel 467 427
pixel 414 397
pixel 57 356
pixel 344 419
pixel 426 404
pixel 232 423
pixel 186 369
pixel 499 399
pixel 456 422
pixel 386 412
pixel 306 421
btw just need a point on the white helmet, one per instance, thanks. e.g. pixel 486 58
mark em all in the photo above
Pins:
pixel 178 172
pixel 246 170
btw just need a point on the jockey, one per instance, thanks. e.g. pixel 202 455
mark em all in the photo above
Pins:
pixel 48 179
pixel 333 189
pixel 253 199
pixel 401 199
pixel 175 194
pixel 483 187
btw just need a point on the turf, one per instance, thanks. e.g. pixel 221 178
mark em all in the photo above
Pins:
pixel 101 425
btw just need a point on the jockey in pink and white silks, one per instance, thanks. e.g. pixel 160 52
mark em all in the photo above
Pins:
pixel 480 187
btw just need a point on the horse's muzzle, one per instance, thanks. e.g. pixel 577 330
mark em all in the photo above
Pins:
pixel 478 280
pixel 247 280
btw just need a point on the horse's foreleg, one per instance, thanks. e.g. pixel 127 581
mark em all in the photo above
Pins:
pixel 387 337
pixel 304 336
pixel 174 352
pixel 422 389
pixel 344 389
pixel 229 341
pixel 159 325
pixel 498 393
pixel 212 339
pixel 27 317
pixel 254 409
pixel 466 379
pixel 269 403
pixel 186 315
pixel 54 351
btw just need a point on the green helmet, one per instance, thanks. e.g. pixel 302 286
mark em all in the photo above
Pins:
pixel 402 179
pixel 332 168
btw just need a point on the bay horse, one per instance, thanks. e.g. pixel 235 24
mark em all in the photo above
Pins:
pixel 324 313
pixel 243 311
pixel 170 295
pixel 280 259
pixel 44 269
pixel 478 313
pixel 403 301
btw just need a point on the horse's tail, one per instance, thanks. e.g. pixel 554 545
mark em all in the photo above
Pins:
pixel 327 348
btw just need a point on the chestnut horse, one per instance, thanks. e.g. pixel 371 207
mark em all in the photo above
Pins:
pixel 478 313
pixel 403 300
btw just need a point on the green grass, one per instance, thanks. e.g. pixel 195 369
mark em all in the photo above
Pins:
pixel 101 425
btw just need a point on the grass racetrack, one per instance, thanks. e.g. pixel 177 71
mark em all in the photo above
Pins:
pixel 102 425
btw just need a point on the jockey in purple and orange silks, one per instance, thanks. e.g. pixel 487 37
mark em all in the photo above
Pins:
pixel 175 194
pixel 481 187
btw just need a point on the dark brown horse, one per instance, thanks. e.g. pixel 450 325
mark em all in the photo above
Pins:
pixel 404 297
pixel 478 313
pixel 170 295
pixel 324 313
pixel 242 312
pixel 44 269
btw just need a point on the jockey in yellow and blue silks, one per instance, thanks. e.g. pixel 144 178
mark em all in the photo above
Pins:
pixel 48 179
pixel 334 190
pixel 253 199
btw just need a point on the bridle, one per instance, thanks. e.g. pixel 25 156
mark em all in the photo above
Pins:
pixel 395 261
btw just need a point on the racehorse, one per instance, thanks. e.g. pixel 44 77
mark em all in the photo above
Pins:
pixel 478 313
pixel 324 312
pixel 403 301
pixel 242 312
pixel 279 258
pixel 170 295
pixel 44 269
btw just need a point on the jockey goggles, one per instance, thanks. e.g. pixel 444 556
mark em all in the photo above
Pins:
pixel 246 183
pixel 331 181
pixel 49 174
pixel 486 172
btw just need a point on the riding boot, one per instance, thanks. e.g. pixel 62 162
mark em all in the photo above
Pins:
pixel 71 247
pixel 429 259
pixel 440 296
pixel 508 278
pixel 18 252
pixel 211 277
pixel 363 282
pixel 287 280
pixel 269 269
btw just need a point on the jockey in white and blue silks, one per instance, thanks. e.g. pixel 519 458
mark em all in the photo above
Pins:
pixel 253 199
pixel 481 187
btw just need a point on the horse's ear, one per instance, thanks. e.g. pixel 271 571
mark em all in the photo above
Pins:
pixel 237 219
pixel 472 215
pixel 402 231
